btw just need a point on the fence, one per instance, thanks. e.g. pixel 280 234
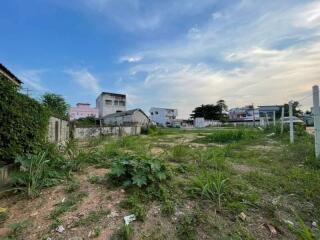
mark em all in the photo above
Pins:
pixel 89 132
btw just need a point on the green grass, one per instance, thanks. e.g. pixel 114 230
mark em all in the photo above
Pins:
pixel 68 205
pixel 93 217
pixel 229 136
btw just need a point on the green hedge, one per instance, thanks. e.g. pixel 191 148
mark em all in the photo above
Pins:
pixel 23 122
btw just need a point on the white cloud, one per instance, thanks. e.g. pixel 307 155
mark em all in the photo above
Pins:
pixel 32 79
pixel 85 79
pixel 266 59
pixel 130 59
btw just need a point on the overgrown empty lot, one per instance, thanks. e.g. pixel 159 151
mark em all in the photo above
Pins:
pixel 180 184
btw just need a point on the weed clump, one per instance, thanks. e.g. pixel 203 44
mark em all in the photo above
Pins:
pixel 211 186
pixel 138 171
pixel 186 227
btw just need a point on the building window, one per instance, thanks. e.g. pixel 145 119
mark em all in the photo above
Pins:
pixel 151 113
pixel 108 102
pixel 122 103
pixel 116 103
pixel 156 113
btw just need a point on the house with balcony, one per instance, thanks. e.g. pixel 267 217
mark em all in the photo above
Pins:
pixel 163 116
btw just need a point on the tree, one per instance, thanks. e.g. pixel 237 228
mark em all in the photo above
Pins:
pixel 211 111
pixel 56 105
pixel 295 109
pixel 222 104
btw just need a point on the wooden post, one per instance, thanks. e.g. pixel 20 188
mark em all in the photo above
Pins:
pixel 282 119
pixel 291 123
pixel 316 116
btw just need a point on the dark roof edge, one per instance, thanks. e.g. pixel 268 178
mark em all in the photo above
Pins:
pixel 115 94
pixel 7 71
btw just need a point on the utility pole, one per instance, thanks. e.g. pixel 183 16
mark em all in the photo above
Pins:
pixel 316 116
pixel 291 123
pixel 282 119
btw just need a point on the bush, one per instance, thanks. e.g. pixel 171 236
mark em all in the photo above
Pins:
pixel 24 122
pixel 30 178
pixel 151 130
pixel 138 171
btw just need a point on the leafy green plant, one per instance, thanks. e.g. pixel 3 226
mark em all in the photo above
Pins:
pixel 31 176
pixel 138 171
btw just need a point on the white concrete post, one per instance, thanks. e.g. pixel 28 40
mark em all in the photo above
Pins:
pixel 316 115
pixel 274 118
pixel 282 119
pixel 291 123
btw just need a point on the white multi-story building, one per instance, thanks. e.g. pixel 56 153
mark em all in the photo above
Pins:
pixel 163 116
pixel 109 103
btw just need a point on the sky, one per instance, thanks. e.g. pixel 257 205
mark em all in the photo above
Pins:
pixel 165 53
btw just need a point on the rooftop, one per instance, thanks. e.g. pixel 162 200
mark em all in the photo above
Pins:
pixel 125 113
pixel 10 74
pixel 114 94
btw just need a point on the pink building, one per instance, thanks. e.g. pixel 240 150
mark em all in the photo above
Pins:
pixel 82 110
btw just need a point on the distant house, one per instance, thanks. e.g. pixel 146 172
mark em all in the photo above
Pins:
pixel 135 117
pixel 9 75
pixel 163 116
pixel 269 110
pixel 82 110
pixel 244 114
pixel 109 103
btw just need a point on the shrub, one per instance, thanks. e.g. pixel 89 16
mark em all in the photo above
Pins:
pixel 138 171
pixel 30 178
pixel 24 122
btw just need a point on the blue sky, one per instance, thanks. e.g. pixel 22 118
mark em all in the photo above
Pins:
pixel 165 53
